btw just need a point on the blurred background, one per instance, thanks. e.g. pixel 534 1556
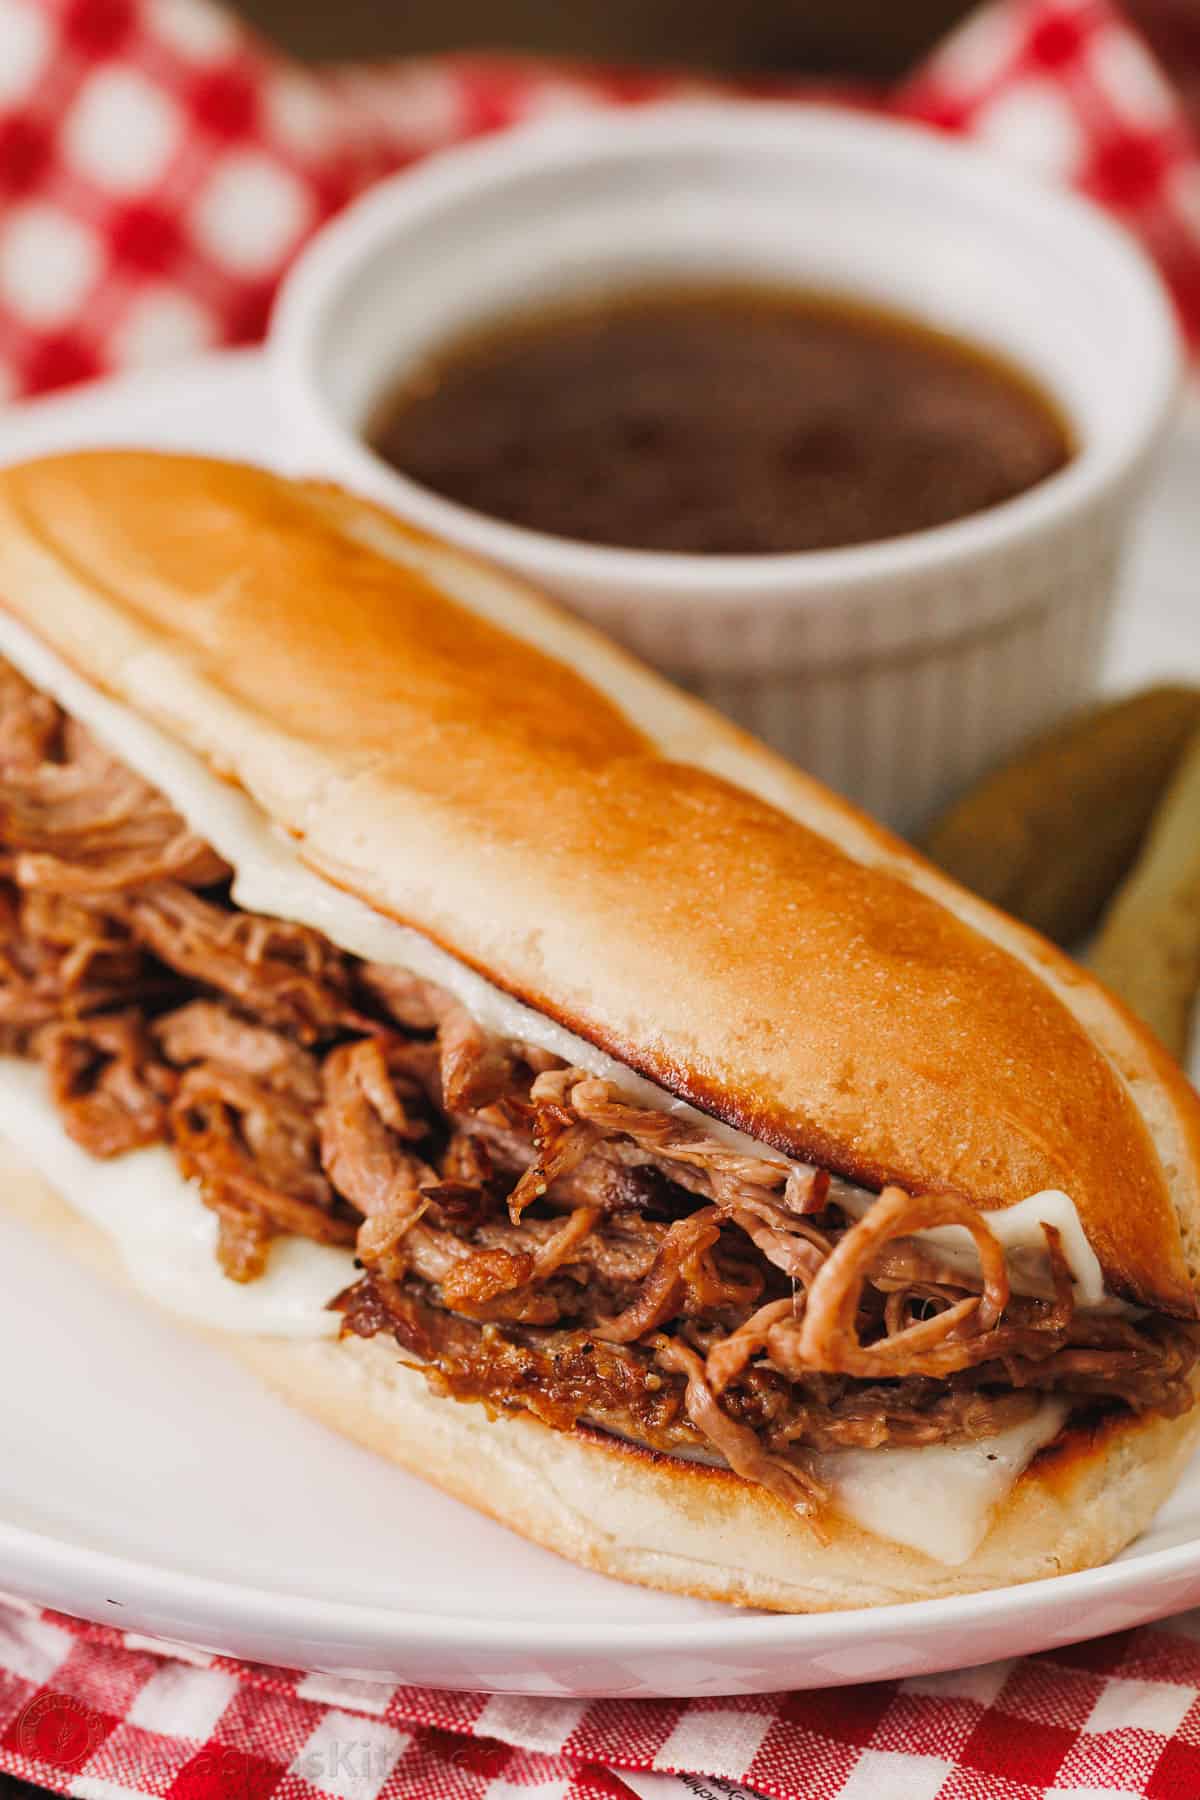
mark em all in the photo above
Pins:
pixel 875 40
pixel 868 37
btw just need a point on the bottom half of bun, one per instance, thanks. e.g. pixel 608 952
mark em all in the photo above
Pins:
pixel 661 1522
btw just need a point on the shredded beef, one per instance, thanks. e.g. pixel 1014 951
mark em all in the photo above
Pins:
pixel 476 1069
pixel 60 962
pixel 283 974
pixel 207 1031
pixel 108 1086
pixel 253 1150
pixel 566 1376
pixel 31 725
pixel 560 1377
pixel 740 1445
pixel 365 1132
pixel 83 823
pixel 574 1111
pixel 951 1337
pixel 527 1234
pixel 674 1269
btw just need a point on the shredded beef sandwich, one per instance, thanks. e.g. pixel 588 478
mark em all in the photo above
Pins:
pixel 638 1233
pixel 530 1239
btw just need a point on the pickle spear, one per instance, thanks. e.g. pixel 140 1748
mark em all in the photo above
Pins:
pixel 1050 835
pixel 1148 948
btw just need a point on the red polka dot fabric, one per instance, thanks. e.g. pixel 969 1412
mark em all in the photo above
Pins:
pixel 158 170
pixel 1072 92
pixel 160 166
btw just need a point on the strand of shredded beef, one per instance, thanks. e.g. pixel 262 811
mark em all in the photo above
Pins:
pixel 739 1444
pixel 253 1151
pixel 938 1345
pixel 110 1090
pixel 527 1234
pixel 86 824
pixel 732 1355
pixel 661 1296
pixel 59 963
pixel 366 1137
pixel 206 1032
pixel 287 975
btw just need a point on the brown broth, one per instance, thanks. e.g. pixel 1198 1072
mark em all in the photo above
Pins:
pixel 720 420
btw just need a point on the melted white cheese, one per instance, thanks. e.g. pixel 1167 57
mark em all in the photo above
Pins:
pixel 164 1232
pixel 938 1498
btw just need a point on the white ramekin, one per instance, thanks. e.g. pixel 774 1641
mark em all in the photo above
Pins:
pixel 896 671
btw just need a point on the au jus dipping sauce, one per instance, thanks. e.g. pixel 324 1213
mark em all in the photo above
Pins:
pixel 720 420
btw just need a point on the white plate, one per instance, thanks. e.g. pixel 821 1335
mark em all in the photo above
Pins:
pixel 147 1482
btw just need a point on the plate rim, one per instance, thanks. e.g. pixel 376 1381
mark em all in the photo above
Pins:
pixel 729 1629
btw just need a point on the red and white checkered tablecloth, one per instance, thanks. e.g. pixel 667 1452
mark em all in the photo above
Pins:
pixel 87 1711
pixel 159 167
